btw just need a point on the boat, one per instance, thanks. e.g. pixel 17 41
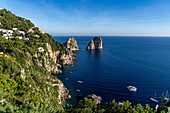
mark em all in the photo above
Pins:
pixel 77 90
pixel 71 72
pixel 167 95
pixel 153 99
pixel 66 78
pixel 132 88
pixel 80 82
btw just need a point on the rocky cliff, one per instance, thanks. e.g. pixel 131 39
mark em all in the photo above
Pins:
pixel 63 92
pixel 96 43
pixel 48 58
pixel 52 61
pixel 96 98
pixel 67 59
pixel 71 44
pixel 58 59
pixel 26 68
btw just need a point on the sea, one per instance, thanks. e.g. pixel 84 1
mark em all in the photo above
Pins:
pixel 143 62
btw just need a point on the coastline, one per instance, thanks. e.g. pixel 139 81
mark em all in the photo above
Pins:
pixel 31 59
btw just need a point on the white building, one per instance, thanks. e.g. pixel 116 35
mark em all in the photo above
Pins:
pixel 40 49
pixel 37 36
pixel 27 39
pixel 9 31
pixel 21 32
pixel 4 30
pixel 20 37
pixel 6 37
pixel 15 29
pixel 10 35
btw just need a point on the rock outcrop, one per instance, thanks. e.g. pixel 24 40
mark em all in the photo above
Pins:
pixel 52 61
pixel 96 43
pixel 64 59
pixel 62 92
pixel 45 60
pixel 97 99
pixel 68 59
pixel 71 44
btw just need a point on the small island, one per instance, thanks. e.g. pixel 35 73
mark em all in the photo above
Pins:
pixel 71 44
pixel 96 43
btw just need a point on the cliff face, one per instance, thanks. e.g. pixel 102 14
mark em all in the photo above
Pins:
pixel 91 45
pixel 67 59
pixel 45 60
pixel 58 59
pixel 96 43
pixel 71 44
pixel 62 92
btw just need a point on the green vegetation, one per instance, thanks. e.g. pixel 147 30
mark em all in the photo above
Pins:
pixel 9 21
pixel 89 106
pixel 25 82
pixel 1 33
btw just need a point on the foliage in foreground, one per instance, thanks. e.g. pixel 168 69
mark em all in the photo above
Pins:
pixel 90 106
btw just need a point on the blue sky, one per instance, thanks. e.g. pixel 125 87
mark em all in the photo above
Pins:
pixel 95 17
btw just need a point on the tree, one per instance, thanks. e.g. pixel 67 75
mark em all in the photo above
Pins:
pixel 1 33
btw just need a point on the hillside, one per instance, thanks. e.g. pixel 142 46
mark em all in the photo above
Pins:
pixel 9 21
pixel 26 67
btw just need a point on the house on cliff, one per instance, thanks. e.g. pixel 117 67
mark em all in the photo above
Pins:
pixel 41 49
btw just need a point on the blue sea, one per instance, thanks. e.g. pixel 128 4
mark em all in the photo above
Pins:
pixel 143 62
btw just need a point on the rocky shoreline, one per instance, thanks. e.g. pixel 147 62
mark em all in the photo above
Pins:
pixel 65 59
pixel 63 92
pixel 59 60
pixel 68 59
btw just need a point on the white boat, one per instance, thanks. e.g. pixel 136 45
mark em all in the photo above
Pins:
pixel 77 90
pixel 132 88
pixel 167 96
pixel 80 82
pixel 154 100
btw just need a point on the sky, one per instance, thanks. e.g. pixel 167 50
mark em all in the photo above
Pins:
pixel 95 17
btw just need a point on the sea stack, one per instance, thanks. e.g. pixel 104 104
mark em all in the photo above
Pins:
pixel 71 44
pixel 96 43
